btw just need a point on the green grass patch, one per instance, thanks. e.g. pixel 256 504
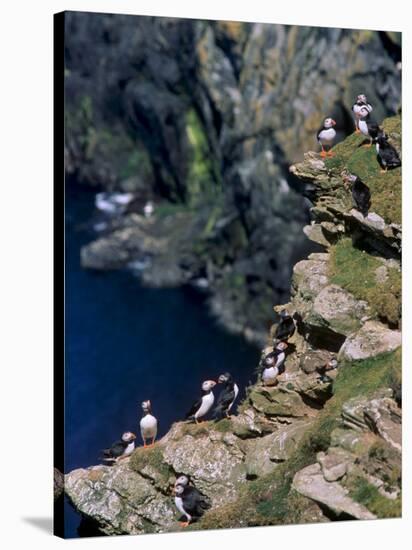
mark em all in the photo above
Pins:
pixel 354 270
pixel 367 494
pixel 203 174
pixel 149 457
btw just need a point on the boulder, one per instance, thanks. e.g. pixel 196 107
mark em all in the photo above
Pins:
pixel 337 310
pixel 372 339
pixel 311 483
pixel 379 414
pixel 335 463
pixel 119 499
pixel 310 277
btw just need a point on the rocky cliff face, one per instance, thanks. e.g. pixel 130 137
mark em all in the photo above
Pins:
pixel 313 447
pixel 208 115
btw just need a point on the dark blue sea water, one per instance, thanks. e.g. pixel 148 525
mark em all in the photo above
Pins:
pixel 125 344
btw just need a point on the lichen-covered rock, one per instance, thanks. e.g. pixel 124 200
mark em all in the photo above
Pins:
pixel 311 483
pixel 266 453
pixel 58 483
pixel 335 463
pixel 372 339
pixel 312 360
pixel 380 414
pixel 310 277
pixel 119 499
pixel 337 310
pixel 278 402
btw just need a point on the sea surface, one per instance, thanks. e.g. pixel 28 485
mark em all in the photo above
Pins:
pixel 125 344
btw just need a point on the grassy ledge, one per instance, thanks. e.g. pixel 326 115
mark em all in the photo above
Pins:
pixel 386 189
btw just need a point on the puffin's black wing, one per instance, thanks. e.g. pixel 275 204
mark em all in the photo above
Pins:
pixel 390 155
pixel 194 408
pixel 194 502
pixel 116 450
pixel 225 399
pixel 373 129
pixel 285 329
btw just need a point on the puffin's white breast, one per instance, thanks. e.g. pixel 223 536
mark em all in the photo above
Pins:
pixel 207 402
pixel 179 506
pixel 327 135
pixel 129 449
pixel 236 390
pixel 269 375
pixel 280 359
pixel 363 127
pixel 148 426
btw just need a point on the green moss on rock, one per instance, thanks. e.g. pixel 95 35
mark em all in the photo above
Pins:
pixel 356 271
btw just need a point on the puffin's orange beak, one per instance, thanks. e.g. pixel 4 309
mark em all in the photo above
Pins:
pixel 334 122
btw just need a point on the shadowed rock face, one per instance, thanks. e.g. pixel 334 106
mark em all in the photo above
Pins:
pixel 197 110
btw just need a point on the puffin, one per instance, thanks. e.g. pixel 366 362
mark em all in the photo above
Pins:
pixel 120 449
pixel 203 405
pixel 367 126
pixel 273 364
pixel 387 154
pixel 190 502
pixel 286 327
pixel 330 365
pixel 361 101
pixel 148 209
pixel 185 481
pixel 360 193
pixel 148 424
pixel 227 396
pixel 326 136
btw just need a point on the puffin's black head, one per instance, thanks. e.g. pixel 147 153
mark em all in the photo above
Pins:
pixel 349 178
pixel 329 122
pixel 361 99
pixel 128 437
pixel 281 346
pixel 182 480
pixel 382 138
pixel 179 490
pixel 146 406
pixel 208 385
pixel 269 360
pixel 226 377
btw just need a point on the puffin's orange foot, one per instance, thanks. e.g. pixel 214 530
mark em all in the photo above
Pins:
pixel 330 154
pixel 323 154
pixel 367 145
pixel 183 523
pixel 383 171
pixel 357 131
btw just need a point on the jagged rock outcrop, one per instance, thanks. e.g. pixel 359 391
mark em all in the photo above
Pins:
pixel 359 451
pixel 372 339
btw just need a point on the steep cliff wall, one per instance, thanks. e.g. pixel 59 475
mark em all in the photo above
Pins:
pixel 311 448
